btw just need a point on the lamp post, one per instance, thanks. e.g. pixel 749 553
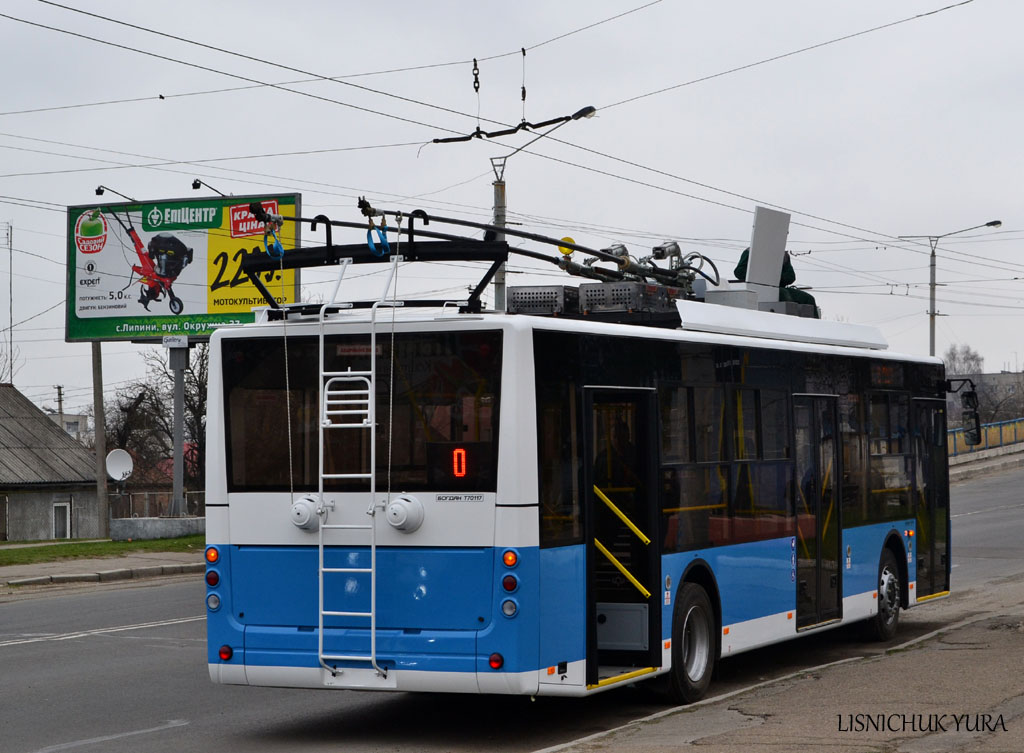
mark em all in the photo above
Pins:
pixel 933 241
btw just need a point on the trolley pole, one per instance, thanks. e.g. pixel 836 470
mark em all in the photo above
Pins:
pixel 498 165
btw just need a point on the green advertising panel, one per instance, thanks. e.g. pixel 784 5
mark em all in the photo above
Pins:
pixel 145 270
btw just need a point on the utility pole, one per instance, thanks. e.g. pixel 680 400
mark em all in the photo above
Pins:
pixel 60 404
pixel 100 439
pixel 9 234
pixel 933 242
pixel 498 165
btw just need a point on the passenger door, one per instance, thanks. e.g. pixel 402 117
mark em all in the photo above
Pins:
pixel 818 541
pixel 931 497
pixel 620 513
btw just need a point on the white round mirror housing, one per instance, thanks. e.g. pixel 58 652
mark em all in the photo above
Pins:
pixel 304 515
pixel 405 513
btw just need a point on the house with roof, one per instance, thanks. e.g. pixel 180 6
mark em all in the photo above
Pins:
pixel 47 479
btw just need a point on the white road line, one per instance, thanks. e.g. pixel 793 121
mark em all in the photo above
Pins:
pixel 987 509
pixel 117 736
pixel 100 631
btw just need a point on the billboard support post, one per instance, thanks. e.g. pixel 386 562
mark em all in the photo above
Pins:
pixel 177 360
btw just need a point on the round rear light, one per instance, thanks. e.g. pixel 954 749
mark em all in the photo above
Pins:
pixel 510 558
pixel 213 602
pixel 510 583
pixel 225 653
pixel 212 577
pixel 509 608
pixel 497 661
pixel 212 555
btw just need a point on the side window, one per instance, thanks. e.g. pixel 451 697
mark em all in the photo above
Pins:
pixel 890 466
pixel 709 424
pixel 676 445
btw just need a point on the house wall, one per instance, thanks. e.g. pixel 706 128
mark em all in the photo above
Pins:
pixel 30 512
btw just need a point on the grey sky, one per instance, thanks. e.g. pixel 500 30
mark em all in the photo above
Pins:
pixel 908 130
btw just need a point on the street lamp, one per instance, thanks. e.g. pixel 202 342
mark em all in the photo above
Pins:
pixel 197 184
pixel 933 241
pixel 101 189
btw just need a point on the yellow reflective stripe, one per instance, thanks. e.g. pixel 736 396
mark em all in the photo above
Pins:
pixel 622 569
pixel 622 516
pixel 622 678
pixel 938 595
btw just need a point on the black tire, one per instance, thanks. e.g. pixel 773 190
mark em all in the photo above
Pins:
pixel 694 645
pixel 176 305
pixel 883 626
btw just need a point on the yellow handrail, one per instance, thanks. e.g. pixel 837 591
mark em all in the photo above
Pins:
pixel 622 516
pixel 622 569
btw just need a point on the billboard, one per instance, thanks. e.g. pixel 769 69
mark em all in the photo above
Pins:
pixel 147 269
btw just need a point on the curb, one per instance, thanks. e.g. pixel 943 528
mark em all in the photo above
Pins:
pixel 106 576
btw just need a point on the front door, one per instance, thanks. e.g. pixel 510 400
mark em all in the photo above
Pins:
pixel 623 607
pixel 817 543
pixel 931 498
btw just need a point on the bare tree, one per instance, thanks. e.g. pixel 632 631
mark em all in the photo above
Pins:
pixel 140 418
pixel 962 361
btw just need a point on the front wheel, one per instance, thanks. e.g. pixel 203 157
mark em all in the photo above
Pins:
pixel 883 626
pixel 693 645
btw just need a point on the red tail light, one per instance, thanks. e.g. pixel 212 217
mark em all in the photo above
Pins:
pixel 497 661
pixel 212 578
pixel 225 653
pixel 509 583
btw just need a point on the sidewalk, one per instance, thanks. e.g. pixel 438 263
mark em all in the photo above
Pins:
pixel 128 567
pixel 957 689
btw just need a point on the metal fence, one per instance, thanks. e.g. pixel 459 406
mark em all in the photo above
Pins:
pixel 153 504
pixel 992 435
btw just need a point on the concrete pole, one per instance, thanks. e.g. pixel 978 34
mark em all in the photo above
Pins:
pixel 499 221
pixel 99 440
pixel 931 297
pixel 178 361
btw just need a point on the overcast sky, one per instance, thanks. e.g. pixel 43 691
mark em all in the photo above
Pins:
pixel 910 129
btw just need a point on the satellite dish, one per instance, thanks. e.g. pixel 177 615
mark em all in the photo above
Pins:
pixel 119 465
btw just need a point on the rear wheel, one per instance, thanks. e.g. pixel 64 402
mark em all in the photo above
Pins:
pixel 883 626
pixel 176 305
pixel 693 645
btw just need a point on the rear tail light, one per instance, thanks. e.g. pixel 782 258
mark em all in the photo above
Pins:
pixel 510 583
pixel 212 555
pixel 509 608
pixel 497 661
pixel 510 558
pixel 212 577
pixel 213 602
pixel 225 653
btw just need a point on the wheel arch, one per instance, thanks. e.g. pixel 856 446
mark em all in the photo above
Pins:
pixel 700 573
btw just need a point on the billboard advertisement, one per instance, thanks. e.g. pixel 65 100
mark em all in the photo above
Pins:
pixel 148 269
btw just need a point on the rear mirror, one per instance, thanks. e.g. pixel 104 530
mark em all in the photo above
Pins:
pixel 971 419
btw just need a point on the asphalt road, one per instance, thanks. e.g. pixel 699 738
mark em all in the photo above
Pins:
pixel 124 670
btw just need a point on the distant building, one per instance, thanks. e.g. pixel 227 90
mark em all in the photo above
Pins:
pixel 75 424
pixel 47 479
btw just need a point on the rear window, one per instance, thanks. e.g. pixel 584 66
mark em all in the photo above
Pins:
pixel 436 412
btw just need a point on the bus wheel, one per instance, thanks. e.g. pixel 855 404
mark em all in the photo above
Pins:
pixel 693 645
pixel 882 627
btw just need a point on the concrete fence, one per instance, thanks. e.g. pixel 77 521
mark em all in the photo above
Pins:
pixel 1000 434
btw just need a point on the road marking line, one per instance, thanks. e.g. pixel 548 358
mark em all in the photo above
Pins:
pixel 106 738
pixel 987 509
pixel 101 631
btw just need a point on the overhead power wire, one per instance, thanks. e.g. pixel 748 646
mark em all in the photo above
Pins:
pixel 208 69
pixel 784 55
pixel 598 153
pixel 314 76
